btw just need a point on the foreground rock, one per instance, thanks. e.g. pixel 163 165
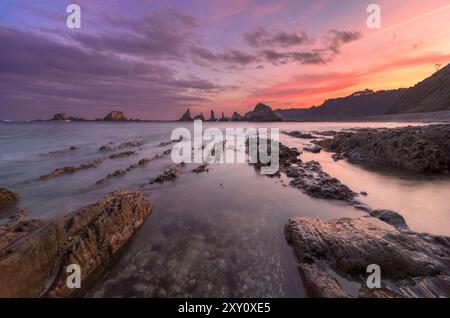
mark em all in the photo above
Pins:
pixel 419 149
pixel 34 254
pixel 335 255
pixel 71 169
pixel 7 197
pixel 312 180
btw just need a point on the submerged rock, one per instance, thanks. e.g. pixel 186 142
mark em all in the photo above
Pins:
pixel 105 148
pixel 419 149
pixel 330 253
pixel 72 169
pixel 34 254
pixel 131 144
pixel 391 217
pixel 122 154
pixel 201 168
pixel 8 197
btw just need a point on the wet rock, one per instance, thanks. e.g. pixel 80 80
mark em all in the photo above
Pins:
pixel 391 217
pixel 313 149
pixel 326 133
pixel 57 152
pixel 115 174
pixel 33 260
pixel 201 168
pixel 72 169
pixel 364 193
pixel 122 154
pixel 330 253
pixel 168 174
pixel 420 149
pixel 105 148
pixel 167 143
pixel 8 197
pixel 300 135
pixel 131 144
pixel 312 180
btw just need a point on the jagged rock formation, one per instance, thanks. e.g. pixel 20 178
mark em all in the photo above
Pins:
pixel 420 149
pixel 115 116
pixel 186 116
pixel 34 254
pixel 237 117
pixel 199 117
pixel 8 197
pixel 331 253
pixel 262 113
pixel 223 118
pixel 212 117
pixel 430 95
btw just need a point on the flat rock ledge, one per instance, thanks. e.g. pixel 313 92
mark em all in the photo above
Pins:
pixel 334 256
pixel 34 254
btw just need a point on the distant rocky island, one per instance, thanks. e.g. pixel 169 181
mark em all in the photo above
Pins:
pixel 114 115
pixel 261 113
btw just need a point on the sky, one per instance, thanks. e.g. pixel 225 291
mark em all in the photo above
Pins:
pixel 153 59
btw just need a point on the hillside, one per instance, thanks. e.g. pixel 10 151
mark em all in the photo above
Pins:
pixel 360 104
pixel 430 95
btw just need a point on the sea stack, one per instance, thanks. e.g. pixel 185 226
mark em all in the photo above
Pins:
pixel 223 118
pixel 199 117
pixel 186 116
pixel 262 113
pixel 237 117
pixel 212 117
pixel 115 116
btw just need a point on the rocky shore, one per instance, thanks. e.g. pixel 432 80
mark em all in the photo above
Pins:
pixel 423 149
pixel 34 254
pixel 334 256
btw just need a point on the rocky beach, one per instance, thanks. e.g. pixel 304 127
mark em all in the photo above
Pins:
pixel 334 228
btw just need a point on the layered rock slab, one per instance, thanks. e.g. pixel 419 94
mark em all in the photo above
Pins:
pixel 34 254
pixel 335 255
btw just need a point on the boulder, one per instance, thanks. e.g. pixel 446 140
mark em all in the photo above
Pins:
pixel 8 197
pixel 313 149
pixel 34 254
pixel 334 256
pixel 115 116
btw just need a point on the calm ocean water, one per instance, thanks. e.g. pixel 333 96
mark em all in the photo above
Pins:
pixel 214 234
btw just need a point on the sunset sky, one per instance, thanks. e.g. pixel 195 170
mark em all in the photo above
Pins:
pixel 153 59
